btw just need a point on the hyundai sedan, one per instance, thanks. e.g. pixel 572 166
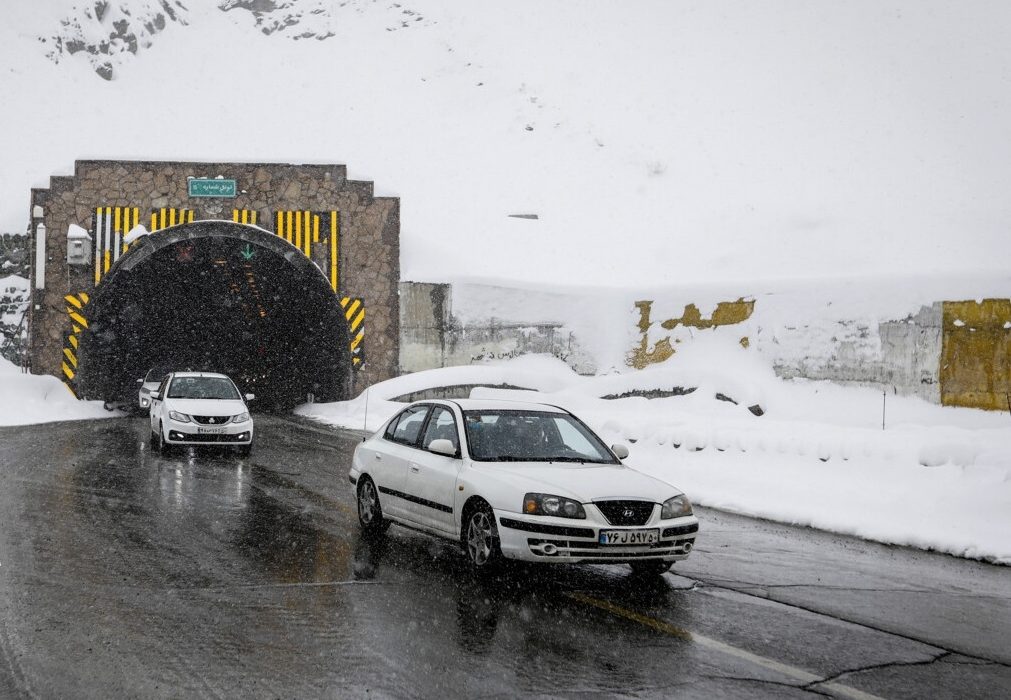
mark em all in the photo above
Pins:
pixel 511 480
pixel 200 408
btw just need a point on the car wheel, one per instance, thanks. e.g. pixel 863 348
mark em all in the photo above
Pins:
pixel 163 447
pixel 370 512
pixel 155 439
pixel 652 567
pixel 480 538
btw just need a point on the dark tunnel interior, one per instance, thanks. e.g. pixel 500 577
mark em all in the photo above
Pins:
pixel 221 304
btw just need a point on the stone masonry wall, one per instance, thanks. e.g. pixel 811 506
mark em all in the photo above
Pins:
pixel 369 240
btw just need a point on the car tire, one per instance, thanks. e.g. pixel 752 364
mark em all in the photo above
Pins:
pixel 163 447
pixel 370 511
pixel 155 438
pixel 650 567
pixel 480 538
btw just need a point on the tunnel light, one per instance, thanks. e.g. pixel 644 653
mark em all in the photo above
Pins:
pixel 40 256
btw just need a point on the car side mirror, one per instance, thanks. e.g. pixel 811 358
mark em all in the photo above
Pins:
pixel 155 395
pixel 250 397
pixel 442 446
pixel 619 450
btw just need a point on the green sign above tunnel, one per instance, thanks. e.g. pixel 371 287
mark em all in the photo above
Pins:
pixel 207 187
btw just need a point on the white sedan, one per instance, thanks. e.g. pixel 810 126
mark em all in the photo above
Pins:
pixel 519 481
pixel 148 383
pixel 200 408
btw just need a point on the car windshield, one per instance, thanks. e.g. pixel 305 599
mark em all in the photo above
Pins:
pixel 202 388
pixel 532 436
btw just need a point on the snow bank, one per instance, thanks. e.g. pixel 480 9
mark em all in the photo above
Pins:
pixel 32 398
pixel 935 478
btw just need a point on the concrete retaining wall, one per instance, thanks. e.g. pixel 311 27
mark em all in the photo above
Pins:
pixel 883 336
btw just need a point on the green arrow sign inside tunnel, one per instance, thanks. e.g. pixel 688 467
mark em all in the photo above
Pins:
pixel 248 252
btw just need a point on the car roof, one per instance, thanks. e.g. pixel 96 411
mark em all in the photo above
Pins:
pixel 200 374
pixel 505 405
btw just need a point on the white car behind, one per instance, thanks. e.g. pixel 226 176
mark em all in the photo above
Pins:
pixel 200 408
pixel 518 481
pixel 149 383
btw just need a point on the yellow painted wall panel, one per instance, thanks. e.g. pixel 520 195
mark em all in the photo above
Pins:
pixel 975 366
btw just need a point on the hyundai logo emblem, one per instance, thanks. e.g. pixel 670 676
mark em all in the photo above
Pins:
pixel 628 513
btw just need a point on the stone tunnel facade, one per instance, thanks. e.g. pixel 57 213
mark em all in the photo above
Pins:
pixel 79 223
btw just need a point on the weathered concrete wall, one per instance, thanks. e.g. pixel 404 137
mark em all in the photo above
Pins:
pixel 424 323
pixel 901 355
pixel 976 354
pixel 369 236
pixel 432 337
pixel 842 334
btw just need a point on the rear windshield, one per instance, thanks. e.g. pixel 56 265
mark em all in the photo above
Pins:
pixel 532 436
pixel 202 388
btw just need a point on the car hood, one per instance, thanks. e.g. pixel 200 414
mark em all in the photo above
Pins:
pixel 206 407
pixel 585 482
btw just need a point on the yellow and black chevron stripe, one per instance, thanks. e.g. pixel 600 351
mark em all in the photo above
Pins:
pixel 166 217
pixel 354 312
pixel 335 232
pixel 111 225
pixel 71 341
pixel 303 229
pixel 244 216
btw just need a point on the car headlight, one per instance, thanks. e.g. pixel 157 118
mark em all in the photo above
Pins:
pixel 558 506
pixel 241 418
pixel 676 507
pixel 180 417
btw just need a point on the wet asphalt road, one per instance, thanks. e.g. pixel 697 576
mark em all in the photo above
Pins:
pixel 124 574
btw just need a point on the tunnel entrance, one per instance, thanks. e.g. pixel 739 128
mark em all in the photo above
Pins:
pixel 222 297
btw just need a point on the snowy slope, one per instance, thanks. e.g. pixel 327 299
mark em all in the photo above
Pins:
pixel 658 141
pixel 26 399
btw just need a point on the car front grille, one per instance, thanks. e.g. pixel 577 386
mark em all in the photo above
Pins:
pixel 212 420
pixel 626 512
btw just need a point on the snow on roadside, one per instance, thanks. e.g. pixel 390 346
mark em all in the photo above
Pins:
pixel 936 478
pixel 38 398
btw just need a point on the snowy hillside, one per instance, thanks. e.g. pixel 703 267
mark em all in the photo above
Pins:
pixel 657 142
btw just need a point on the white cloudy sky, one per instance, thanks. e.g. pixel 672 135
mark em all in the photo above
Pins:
pixel 668 141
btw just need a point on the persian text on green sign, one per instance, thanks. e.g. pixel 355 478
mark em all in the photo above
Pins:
pixel 206 187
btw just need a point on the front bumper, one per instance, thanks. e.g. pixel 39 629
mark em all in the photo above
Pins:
pixel 177 433
pixel 559 540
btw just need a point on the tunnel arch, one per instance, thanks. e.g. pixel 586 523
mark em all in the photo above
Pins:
pixel 217 296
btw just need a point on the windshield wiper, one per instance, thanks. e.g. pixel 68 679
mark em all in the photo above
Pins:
pixel 583 460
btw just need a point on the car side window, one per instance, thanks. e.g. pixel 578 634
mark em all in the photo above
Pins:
pixel 408 426
pixel 442 425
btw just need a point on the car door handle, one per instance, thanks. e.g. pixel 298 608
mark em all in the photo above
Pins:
pixel 415 468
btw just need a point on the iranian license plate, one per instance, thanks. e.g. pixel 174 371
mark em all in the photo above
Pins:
pixel 210 431
pixel 629 537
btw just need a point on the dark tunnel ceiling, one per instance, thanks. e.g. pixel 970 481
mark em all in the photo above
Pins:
pixel 218 303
